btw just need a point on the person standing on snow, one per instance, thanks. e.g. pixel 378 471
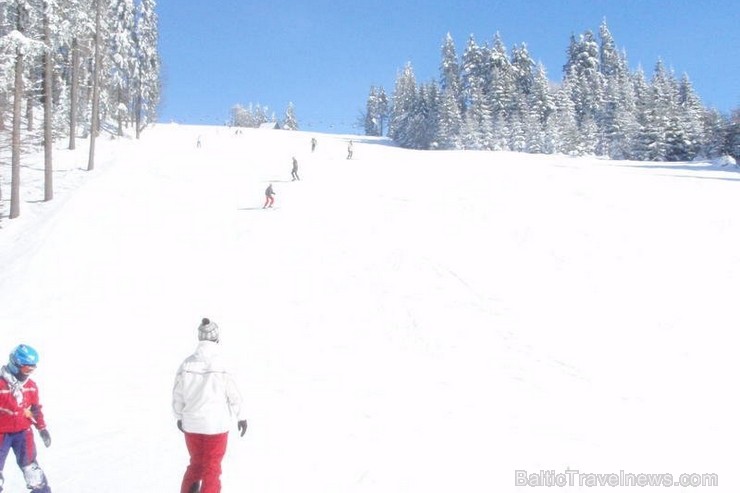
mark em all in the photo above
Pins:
pixel 269 197
pixel 313 144
pixel 206 401
pixel 19 411
pixel 349 150
pixel 294 172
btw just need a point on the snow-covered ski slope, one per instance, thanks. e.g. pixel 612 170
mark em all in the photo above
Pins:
pixel 403 322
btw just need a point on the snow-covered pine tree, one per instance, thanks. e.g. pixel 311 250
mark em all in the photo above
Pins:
pixel 370 123
pixel 541 108
pixel 422 120
pixel 450 122
pixel 732 146
pixel 478 122
pixel 449 71
pixel 77 40
pixel 239 117
pixel 522 72
pixel 518 138
pixel 471 71
pixel 382 109
pixel 611 62
pixel 500 91
pixel 640 149
pixel 33 67
pixel 290 122
pixel 147 73
pixel 259 115
pixel 404 100
pixel 663 129
pixel 586 81
pixel 618 125
pixel 617 122
pixel 122 51
pixel 715 130
pixel 522 67
pixel 691 119
pixel 100 8
pixel 51 24
pixel 431 101
pixel 376 112
pixel 563 131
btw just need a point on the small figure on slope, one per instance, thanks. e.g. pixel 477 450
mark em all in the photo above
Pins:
pixel 294 172
pixel 313 144
pixel 349 150
pixel 206 402
pixel 269 197
pixel 19 411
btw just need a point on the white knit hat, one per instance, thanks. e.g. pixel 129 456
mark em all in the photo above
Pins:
pixel 208 331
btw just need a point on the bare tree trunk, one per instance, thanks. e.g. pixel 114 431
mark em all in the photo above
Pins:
pixel 15 166
pixel 138 102
pixel 94 123
pixel 29 112
pixel 119 115
pixel 73 94
pixel 48 134
pixel 3 103
pixel 137 115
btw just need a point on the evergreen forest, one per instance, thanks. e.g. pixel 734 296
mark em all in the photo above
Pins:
pixel 71 68
pixel 490 99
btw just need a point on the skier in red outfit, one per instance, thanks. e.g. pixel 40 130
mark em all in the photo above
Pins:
pixel 19 411
pixel 269 197
pixel 206 401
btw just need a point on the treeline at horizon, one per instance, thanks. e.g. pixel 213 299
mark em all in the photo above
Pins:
pixel 490 100
pixel 253 116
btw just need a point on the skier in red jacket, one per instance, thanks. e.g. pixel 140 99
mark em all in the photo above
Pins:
pixel 269 197
pixel 19 411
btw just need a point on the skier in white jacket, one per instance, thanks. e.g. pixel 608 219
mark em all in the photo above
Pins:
pixel 206 401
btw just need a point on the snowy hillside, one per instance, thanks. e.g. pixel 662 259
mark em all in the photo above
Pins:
pixel 401 322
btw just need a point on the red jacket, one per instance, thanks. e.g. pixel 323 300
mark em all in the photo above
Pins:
pixel 19 404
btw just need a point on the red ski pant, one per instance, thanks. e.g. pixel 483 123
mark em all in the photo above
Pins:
pixel 206 452
pixel 269 199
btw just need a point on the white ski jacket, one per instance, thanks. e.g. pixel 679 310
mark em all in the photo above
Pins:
pixel 205 396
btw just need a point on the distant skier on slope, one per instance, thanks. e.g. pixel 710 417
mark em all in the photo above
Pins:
pixel 313 144
pixel 349 150
pixel 269 196
pixel 294 172
pixel 20 409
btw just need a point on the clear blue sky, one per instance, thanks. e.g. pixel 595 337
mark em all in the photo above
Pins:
pixel 323 55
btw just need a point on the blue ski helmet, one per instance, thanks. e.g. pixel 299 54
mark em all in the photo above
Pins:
pixel 21 356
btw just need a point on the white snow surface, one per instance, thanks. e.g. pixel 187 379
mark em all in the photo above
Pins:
pixel 725 161
pixel 404 321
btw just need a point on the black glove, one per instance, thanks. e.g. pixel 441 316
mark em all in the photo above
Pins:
pixel 242 426
pixel 45 437
pixel 179 425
